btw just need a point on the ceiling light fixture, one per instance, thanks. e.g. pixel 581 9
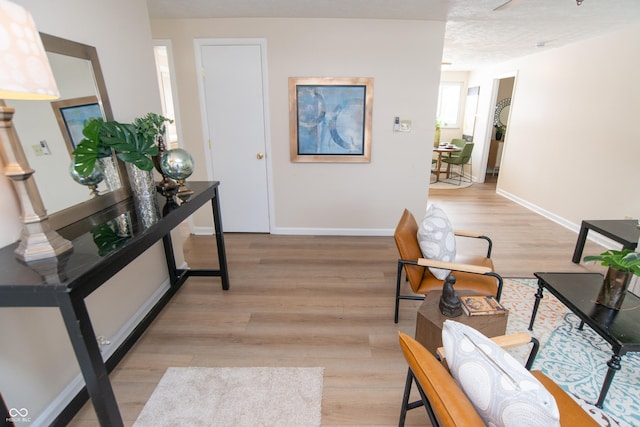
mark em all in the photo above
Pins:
pixel 579 2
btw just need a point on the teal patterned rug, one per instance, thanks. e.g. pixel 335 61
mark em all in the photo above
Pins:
pixel 575 360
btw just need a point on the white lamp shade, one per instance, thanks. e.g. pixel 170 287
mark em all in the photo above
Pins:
pixel 25 72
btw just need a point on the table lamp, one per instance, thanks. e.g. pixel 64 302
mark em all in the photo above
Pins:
pixel 25 74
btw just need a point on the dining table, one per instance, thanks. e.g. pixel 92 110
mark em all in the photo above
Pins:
pixel 442 149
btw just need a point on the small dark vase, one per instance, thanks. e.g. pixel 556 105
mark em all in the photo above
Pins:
pixel 614 288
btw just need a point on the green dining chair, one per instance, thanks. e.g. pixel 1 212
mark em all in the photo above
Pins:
pixel 433 171
pixel 460 143
pixel 463 158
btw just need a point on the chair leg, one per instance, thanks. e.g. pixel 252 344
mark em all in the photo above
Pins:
pixel 405 398
pixel 406 406
pixel 398 281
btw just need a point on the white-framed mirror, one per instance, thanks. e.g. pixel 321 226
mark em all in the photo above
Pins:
pixel 38 124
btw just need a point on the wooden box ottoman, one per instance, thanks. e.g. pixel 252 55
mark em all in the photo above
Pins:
pixel 429 323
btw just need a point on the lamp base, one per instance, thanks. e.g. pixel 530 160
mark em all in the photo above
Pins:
pixel 38 241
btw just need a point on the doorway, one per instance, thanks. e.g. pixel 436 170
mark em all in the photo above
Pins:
pixel 499 121
pixel 233 97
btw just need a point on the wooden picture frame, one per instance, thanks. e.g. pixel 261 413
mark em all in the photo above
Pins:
pixel 330 119
pixel 71 115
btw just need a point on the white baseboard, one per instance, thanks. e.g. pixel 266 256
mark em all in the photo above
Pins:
pixel 71 390
pixel 207 231
pixel 594 237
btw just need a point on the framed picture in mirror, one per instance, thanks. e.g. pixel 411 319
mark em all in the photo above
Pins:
pixel 71 115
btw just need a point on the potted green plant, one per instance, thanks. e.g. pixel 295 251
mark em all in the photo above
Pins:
pixel 134 143
pixel 621 266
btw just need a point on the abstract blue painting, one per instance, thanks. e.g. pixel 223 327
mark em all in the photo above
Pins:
pixel 331 120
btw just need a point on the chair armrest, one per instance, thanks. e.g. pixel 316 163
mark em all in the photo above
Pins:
pixel 509 341
pixel 454 266
pixel 476 235
pixel 467 233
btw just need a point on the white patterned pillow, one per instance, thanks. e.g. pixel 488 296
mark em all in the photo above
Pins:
pixel 503 392
pixel 436 239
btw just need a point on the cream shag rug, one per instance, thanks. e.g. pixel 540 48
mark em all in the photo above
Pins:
pixel 235 397
pixel 449 183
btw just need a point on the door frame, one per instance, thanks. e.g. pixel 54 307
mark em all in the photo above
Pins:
pixel 486 146
pixel 262 43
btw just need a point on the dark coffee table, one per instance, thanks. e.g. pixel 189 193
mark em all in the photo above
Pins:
pixel 623 231
pixel 578 291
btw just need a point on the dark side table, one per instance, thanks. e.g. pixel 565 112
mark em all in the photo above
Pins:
pixel 578 292
pixel 623 231
pixel 429 323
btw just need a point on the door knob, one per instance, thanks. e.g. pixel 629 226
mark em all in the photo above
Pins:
pixel 259 156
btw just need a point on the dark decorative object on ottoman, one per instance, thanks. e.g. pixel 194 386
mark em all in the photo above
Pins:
pixel 450 304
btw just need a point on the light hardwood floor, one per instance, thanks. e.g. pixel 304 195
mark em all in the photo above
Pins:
pixel 322 301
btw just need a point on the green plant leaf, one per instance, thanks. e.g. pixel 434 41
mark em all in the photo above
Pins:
pixel 627 260
pixel 106 239
pixel 89 149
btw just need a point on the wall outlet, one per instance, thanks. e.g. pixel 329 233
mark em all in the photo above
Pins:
pixel 37 149
pixel 102 342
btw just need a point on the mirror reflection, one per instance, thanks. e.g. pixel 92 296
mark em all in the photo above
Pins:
pixel 42 138
pixel 504 115
pixel 49 131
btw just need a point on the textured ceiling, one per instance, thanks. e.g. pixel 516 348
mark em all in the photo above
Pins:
pixel 475 36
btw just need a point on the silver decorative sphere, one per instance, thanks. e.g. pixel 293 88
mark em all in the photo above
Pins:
pixel 177 164
pixel 93 179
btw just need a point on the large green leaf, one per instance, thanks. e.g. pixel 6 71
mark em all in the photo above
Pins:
pixel 89 150
pixel 133 142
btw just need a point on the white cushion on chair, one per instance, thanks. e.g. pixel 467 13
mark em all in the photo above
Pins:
pixel 436 238
pixel 503 392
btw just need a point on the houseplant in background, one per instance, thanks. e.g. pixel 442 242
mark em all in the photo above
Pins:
pixel 436 135
pixel 621 266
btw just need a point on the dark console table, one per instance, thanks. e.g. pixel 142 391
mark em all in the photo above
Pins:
pixel 623 231
pixel 103 244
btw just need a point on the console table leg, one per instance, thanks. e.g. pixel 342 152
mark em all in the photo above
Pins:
pixel 171 259
pixel 614 365
pixel 582 239
pixel 222 255
pixel 83 339
pixel 535 305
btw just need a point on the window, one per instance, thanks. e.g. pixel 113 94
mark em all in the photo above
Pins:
pixel 449 98
pixel 163 68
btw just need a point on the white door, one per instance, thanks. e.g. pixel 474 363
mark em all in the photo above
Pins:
pixel 234 102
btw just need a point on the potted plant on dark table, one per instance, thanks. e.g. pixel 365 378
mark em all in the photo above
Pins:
pixel 133 143
pixel 621 266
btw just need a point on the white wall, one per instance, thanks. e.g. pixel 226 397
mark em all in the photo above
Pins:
pixel 404 59
pixel 571 149
pixel 36 360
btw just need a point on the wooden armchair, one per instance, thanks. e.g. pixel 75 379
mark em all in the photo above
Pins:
pixel 474 273
pixel 446 403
